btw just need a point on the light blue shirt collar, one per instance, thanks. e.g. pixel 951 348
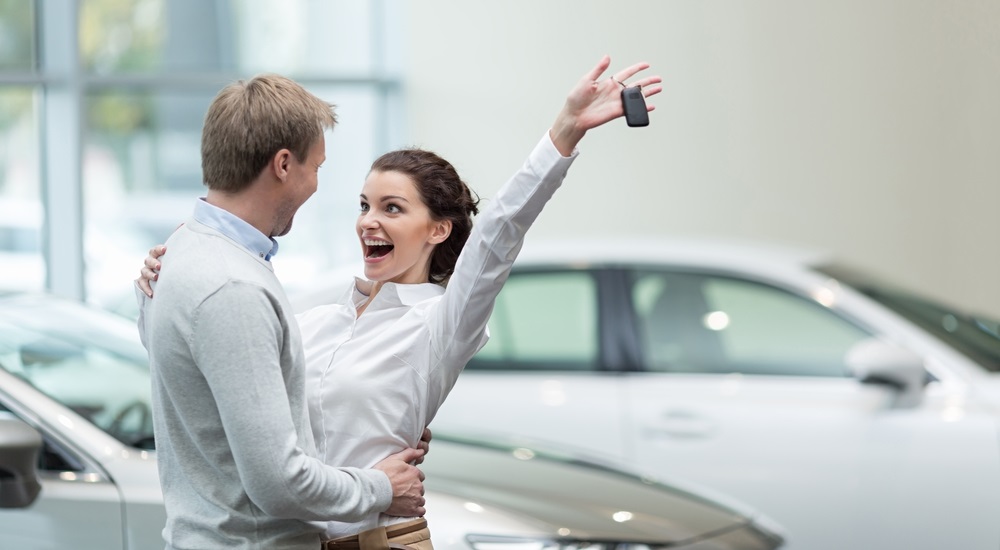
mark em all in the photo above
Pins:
pixel 235 228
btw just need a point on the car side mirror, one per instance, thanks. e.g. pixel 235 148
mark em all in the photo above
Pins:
pixel 874 361
pixel 20 445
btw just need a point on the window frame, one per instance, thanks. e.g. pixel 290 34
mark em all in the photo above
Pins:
pixel 62 85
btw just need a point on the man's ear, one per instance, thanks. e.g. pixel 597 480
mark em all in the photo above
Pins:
pixel 440 231
pixel 281 164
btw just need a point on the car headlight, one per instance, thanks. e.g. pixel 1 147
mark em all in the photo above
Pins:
pixel 494 542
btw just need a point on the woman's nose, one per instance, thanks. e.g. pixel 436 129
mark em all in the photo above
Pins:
pixel 368 219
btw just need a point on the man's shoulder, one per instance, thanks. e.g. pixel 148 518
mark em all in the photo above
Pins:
pixel 208 252
pixel 198 264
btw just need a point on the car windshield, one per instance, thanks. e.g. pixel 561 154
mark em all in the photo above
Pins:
pixel 85 358
pixel 977 337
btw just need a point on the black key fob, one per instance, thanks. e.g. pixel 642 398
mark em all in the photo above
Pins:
pixel 635 106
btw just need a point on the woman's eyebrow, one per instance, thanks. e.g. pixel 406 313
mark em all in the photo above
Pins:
pixel 394 197
pixel 388 198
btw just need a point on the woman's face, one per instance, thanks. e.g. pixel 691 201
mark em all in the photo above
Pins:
pixel 396 230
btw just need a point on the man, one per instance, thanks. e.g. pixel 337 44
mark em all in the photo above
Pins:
pixel 234 446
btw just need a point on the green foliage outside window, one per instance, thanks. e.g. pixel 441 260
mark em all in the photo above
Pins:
pixel 17 35
pixel 121 35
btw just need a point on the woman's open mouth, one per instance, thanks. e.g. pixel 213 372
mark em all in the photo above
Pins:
pixel 376 248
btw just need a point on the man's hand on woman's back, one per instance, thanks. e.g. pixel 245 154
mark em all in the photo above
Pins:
pixel 407 483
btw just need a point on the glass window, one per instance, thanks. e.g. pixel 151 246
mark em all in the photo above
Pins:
pixel 304 36
pixel 150 68
pixel 17 35
pixel 118 36
pixel 21 216
pixel 141 175
pixel 53 457
pixel 141 151
pixel 543 321
pixel 244 36
pixel 701 323
pixel 143 142
pixel 973 335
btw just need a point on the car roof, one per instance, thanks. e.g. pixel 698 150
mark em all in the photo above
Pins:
pixel 666 250
pixel 724 255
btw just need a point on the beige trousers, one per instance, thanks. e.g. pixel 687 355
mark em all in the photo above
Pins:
pixel 410 535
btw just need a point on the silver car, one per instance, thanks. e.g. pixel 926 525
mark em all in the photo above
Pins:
pixel 78 465
pixel 855 413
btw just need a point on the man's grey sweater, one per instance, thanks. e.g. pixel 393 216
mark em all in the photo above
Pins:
pixel 235 449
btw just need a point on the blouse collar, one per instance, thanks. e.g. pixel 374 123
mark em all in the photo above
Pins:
pixel 391 294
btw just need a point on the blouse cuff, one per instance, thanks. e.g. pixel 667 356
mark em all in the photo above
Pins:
pixel 545 156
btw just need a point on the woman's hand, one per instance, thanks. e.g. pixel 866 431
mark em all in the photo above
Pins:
pixel 150 269
pixel 424 445
pixel 596 100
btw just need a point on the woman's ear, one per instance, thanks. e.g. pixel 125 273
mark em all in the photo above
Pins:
pixel 440 231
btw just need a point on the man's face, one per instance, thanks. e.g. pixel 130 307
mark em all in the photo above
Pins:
pixel 303 180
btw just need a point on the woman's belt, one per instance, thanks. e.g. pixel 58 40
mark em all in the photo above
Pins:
pixel 379 537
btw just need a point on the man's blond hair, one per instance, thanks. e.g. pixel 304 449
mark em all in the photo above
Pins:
pixel 249 121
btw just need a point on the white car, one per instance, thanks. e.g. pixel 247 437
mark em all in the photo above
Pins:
pixel 855 414
pixel 78 465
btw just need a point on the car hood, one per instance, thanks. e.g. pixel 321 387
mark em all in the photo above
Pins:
pixel 509 493
pixel 987 392
pixel 490 493
pixel 582 499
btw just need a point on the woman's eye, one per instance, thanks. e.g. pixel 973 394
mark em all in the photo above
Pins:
pixel 364 207
pixel 392 209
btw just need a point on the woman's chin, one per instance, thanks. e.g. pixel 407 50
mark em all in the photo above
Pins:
pixel 375 273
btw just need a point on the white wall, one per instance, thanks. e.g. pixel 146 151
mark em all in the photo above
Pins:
pixel 870 128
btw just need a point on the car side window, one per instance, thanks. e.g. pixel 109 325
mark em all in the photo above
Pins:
pixel 53 458
pixel 543 321
pixel 107 388
pixel 699 323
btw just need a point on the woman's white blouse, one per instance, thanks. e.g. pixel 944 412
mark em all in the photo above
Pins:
pixel 374 382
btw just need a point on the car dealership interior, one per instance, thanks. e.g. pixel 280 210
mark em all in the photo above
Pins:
pixel 768 319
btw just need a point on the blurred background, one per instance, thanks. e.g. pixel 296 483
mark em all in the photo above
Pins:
pixel 868 129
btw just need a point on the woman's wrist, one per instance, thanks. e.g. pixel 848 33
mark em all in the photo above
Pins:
pixel 565 133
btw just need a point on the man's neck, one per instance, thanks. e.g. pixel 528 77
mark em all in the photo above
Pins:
pixel 246 206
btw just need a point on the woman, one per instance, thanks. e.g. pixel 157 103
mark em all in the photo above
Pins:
pixel 382 359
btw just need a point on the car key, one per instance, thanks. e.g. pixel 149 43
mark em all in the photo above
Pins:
pixel 635 106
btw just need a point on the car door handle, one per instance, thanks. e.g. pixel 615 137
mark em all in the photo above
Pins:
pixel 681 424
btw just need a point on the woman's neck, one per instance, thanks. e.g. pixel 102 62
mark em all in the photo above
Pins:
pixel 376 286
